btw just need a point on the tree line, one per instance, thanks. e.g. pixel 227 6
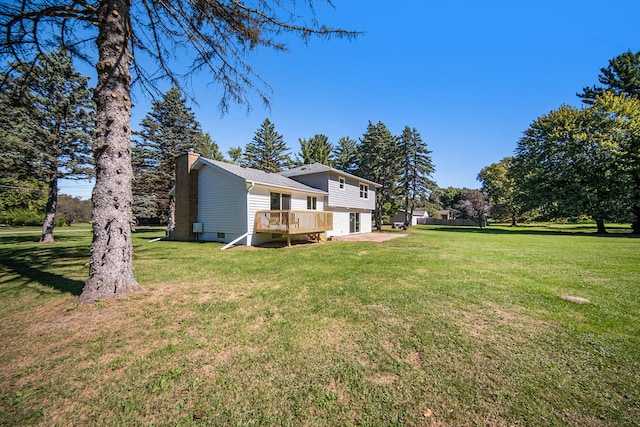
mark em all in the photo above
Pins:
pixel 577 161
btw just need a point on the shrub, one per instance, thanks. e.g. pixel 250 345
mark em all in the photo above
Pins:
pixel 19 217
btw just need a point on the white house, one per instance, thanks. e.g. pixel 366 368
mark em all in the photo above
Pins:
pixel 219 201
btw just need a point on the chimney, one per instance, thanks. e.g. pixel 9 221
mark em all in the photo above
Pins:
pixel 186 197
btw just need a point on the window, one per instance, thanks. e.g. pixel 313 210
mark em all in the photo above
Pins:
pixel 275 201
pixel 341 182
pixel 311 203
pixel 364 191
pixel 280 202
pixel 354 222
pixel 221 235
pixel 286 202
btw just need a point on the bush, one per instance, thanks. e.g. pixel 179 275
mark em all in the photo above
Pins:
pixel 19 217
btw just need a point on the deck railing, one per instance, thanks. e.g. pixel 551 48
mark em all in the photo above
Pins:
pixel 293 222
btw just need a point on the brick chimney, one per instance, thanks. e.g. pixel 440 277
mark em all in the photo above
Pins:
pixel 186 197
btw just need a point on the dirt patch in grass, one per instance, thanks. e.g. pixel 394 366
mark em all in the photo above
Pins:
pixel 573 298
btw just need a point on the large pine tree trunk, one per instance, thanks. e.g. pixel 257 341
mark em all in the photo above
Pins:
pixel 111 269
pixel 50 213
pixel 378 212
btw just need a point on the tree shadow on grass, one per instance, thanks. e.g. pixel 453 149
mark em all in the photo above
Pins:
pixel 577 230
pixel 35 264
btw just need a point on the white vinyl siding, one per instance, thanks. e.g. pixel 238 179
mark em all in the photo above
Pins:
pixel 222 205
pixel 365 222
pixel 340 224
pixel 341 221
pixel 349 197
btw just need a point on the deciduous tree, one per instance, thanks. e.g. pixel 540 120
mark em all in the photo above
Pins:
pixel 623 113
pixel 498 185
pixel 622 77
pixel 473 205
pixel 217 34
pixel 566 164
pixel 73 210
pixel 449 196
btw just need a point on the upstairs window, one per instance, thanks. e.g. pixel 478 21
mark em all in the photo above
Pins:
pixel 341 182
pixel 364 191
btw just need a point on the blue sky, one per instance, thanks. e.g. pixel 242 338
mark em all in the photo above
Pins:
pixel 469 76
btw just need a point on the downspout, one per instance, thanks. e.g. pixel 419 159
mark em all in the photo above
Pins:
pixel 228 245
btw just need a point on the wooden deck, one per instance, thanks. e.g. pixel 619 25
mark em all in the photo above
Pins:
pixel 293 222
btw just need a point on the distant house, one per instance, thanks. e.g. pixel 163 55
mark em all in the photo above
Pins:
pixel 223 202
pixel 447 214
pixel 417 218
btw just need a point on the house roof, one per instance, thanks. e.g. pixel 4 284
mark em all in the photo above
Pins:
pixel 256 176
pixel 318 168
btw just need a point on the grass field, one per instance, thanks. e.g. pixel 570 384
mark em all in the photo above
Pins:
pixel 446 327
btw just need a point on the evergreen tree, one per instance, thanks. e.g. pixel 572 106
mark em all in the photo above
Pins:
pixel 49 133
pixel 210 149
pixel 218 37
pixel 315 149
pixel 621 76
pixel 235 155
pixel 417 167
pixel 380 161
pixel 268 151
pixel 168 130
pixel 344 156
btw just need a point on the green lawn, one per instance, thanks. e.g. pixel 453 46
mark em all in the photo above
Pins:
pixel 447 326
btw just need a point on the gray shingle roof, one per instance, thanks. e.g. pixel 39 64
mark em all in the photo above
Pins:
pixel 258 176
pixel 319 167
